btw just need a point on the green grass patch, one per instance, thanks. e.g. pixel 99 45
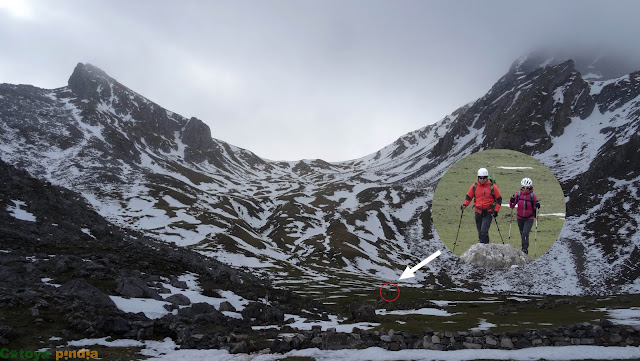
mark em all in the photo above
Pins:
pixel 466 309
pixel 241 232
pixel 195 177
pixel 341 241
pixel 454 185
pixel 158 191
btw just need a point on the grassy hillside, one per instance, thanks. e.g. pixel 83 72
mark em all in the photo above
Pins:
pixel 454 185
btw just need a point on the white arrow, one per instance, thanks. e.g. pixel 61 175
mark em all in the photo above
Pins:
pixel 409 272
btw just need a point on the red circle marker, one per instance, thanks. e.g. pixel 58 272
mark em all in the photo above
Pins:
pixel 390 283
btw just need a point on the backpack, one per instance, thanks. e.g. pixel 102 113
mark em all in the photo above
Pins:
pixel 530 200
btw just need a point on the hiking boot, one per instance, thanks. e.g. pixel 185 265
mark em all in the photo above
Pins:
pixel 526 251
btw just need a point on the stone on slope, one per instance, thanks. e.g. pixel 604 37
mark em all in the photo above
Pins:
pixel 87 293
pixel 135 287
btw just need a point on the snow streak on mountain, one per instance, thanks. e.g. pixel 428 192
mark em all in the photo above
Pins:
pixel 146 168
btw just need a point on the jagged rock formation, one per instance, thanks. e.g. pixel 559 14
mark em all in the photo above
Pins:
pixel 152 170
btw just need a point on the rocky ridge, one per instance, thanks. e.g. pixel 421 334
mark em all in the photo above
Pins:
pixel 64 269
pixel 151 170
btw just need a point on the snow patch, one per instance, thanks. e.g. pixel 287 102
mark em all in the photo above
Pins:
pixel 422 311
pixel 623 316
pixel 167 350
pixel 504 167
pixel 484 325
pixel 17 212
pixel 151 308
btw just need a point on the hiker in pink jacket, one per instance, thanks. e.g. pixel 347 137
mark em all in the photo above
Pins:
pixel 527 203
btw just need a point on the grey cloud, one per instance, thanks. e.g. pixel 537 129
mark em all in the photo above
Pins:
pixel 300 79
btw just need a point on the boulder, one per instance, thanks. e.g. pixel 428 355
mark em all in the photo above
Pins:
pixel 255 310
pixel 179 284
pixel 240 347
pixel 363 313
pixel 114 325
pixel 135 287
pixel 226 306
pixel 87 293
pixel 178 299
pixel 506 342
pixel 496 256
pixel 200 308
pixel 280 346
pixel 335 341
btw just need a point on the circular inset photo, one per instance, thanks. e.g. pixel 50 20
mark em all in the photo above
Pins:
pixel 498 209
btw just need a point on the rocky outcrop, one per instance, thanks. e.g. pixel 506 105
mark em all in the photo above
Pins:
pixel 197 135
pixel 257 312
pixel 90 83
pixel 86 293
pixel 135 287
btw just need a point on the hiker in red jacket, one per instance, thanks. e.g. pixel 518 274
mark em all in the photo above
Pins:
pixel 528 205
pixel 487 203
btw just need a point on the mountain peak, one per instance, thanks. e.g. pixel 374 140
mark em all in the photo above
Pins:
pixel 89 82
pixel 537 59
pixel 592 63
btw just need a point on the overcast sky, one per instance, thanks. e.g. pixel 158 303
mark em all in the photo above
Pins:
pixel 294 79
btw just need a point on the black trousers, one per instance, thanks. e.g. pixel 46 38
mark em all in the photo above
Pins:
pixel 525 227
pixel 483 222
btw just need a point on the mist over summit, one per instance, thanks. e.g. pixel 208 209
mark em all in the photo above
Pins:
pixel 594 63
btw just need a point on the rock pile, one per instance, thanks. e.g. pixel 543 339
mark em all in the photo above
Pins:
pixel 605 333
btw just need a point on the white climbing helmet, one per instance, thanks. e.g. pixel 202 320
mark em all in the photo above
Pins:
pixel 483 172
pixel 526 182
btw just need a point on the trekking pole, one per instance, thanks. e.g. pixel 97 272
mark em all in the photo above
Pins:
pixel 510 221
pixel 496 219
pixel 267 286
pixel 459 224
pixel 535 236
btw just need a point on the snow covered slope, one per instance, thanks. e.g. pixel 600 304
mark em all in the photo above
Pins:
pixel 152 170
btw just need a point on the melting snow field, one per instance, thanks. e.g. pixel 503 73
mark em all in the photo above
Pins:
pixel 422 311
pixel 484 325
pixel 151 308
pixel 626 316
pixel 155 308
pixel 166 350
pixel 304 325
